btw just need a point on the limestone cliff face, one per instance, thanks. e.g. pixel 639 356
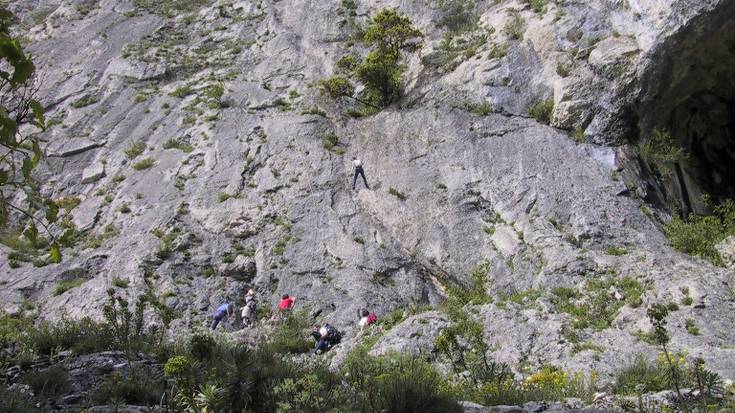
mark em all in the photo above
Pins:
pixel 240 189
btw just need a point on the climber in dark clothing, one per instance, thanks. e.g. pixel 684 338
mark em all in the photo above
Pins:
pixel 358 171
pixel 223 313
pixel 326 337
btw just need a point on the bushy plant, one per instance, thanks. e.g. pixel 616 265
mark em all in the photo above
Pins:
pixel 591 306
pixel 82 336
pixel 396 384
pixel 538 6
pixel 49 383
pixel 515 27
pixel 144 164
pixel 660 152
pixel 396 193
pixel 482 108
pixel 641 376
pixel 201 345
pixel 671 370
pixel 699 234
pixel 134 149
pixel 553 383
pixel 458 15
pixel 67 285
pixel 139 386
pixel 309 393
pixel 542 110
pixel 289 335
pixel 15 402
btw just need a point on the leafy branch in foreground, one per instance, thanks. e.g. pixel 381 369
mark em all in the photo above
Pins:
pixel 21 153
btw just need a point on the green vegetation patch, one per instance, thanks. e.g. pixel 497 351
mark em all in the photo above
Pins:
pixel 659 151
pixel 699 234
pixel 389 35
pixel 542 111
pixel 65 286
pixel 145 163
pixel 134 149
pixel 593 306
pixel 515 28
pixel 176 144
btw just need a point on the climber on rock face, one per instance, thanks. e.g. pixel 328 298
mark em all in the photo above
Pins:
pixel 366 318
pixel 326 337
pixel 223 312
pixel 248 311
pixel 286 303
pixel 358 171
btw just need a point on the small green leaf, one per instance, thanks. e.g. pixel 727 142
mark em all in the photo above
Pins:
pixel 23 71
pixel 36 153
pixel 54 254
pixel 39 112
pixel 27 168
pixel 3 176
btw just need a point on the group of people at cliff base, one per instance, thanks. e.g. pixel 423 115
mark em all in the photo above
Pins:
pixel 325 336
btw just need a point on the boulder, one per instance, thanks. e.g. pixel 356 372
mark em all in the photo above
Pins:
pixel 93 173
pixel 415 335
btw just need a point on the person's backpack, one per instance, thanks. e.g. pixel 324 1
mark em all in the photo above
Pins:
pixel 372 318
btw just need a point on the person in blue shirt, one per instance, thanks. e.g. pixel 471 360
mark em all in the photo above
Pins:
pixel 223 312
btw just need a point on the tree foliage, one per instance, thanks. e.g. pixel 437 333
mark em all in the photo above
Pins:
pixel 389 35
pixel 20 153
pixel 660 152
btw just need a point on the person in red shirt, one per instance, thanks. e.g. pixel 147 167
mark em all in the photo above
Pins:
pixel 286 303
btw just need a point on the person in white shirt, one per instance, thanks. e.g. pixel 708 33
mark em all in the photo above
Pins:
pixel 358 171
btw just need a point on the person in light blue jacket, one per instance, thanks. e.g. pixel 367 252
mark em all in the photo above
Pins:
pixel 223 313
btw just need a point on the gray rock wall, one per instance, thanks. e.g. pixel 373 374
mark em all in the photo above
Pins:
pixel 242 192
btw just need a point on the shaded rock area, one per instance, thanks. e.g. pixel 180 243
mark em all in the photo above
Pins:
pixel 195 145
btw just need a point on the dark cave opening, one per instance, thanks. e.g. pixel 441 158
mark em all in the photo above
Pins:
pixel 690 92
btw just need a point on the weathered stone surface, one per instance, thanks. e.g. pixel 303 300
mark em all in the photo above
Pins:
pixel 93 173
pixel 292 221
pixel 74 147
pixel 413 336
pixel 726 248
pixel 613 54
pixel 243 269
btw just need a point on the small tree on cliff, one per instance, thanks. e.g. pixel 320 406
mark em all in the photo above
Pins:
pixel 389 35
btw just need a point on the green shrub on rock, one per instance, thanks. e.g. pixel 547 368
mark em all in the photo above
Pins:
pixel 138 386
pixel 48 383
pixel 389 34
pixel 289 336
pixel 660 152
pixel 699 234
pixel 542 110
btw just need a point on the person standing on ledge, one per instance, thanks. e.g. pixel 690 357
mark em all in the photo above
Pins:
pixel 358 171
